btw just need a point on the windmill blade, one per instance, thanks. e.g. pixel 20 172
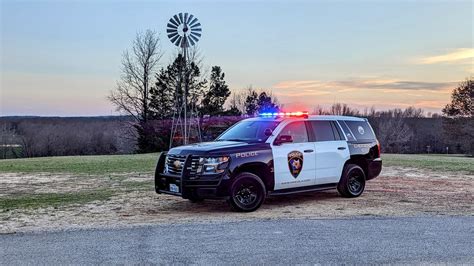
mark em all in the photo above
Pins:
pixel 194 21
pixel 194 30
pixel 171 35
pixel 185 17
pixel 178 41
pixel 173 22
pixel 195 34
pixel 180 17
pixel 174 38
pixel 195 25
pixel 193 38
pixel 171 30
pixel 189 19
pixel 172 26
pixel 176 19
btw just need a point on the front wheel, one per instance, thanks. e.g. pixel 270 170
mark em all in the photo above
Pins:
pixel 352 182
pixel 247 193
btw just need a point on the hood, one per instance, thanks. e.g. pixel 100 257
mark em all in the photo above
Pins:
pixel 217 147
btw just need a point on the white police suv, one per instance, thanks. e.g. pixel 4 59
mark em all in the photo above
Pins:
pixel 273 154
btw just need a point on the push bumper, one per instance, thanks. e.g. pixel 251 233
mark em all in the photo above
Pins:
pixel 190 186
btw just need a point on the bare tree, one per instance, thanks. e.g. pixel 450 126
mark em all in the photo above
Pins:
pixel 394 134
pixel 138 67
pixel 343 109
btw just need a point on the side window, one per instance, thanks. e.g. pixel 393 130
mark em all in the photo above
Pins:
pixel 322 130
pixel 297 130
pixel 346 130
pixel 337 131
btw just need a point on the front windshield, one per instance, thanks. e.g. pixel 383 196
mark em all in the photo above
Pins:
pixel 248 131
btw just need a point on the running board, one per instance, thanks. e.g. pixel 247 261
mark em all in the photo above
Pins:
pixel 287 191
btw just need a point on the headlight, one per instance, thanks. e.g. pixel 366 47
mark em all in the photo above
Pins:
pixel 212 165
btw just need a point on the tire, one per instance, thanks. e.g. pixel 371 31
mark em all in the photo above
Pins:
pixel 247 193
pixel 352 182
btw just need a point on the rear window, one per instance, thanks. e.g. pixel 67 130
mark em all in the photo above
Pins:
pixel 359 130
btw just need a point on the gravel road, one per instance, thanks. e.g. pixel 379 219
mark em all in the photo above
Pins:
pixel 350 240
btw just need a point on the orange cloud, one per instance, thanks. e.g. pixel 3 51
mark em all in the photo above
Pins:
pixel 462 55
pixel 353 84
pixel 365 92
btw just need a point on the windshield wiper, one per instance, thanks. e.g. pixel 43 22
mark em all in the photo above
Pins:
pixel 231 140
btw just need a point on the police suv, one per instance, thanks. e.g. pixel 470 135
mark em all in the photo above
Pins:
pixel 273 154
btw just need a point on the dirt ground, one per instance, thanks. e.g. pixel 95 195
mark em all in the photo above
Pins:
pixel 397 192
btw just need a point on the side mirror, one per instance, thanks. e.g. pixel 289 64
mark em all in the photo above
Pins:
pixel 268 132
pixel 283 139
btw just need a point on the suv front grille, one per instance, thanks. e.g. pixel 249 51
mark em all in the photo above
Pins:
pixel 174 164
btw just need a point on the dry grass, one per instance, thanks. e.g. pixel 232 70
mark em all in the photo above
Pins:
pixel 399 191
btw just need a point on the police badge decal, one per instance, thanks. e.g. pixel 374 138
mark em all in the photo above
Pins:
pixel 295 163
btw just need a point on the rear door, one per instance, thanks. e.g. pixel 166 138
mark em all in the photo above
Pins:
pixel 294 163
pixel 331 150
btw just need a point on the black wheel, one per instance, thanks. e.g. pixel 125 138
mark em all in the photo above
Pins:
pixel 352 182
pixel 247 193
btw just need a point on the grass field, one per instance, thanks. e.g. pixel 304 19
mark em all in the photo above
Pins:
pixel 447 163
pixel 49 191
pixel 145 163
pixel 92 165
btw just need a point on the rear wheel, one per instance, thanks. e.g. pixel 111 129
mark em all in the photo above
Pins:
pixel 247 193
pixel 352 182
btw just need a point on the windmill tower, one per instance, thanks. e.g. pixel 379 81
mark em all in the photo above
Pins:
pixel 184 31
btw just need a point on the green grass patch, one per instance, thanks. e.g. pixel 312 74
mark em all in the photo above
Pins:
pixel 145 163
pixel 138 185
pixel 91 165
pixel 448 163
pixel 53 199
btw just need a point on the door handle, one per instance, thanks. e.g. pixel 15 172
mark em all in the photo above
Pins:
pixel 341 148
pixel 308 151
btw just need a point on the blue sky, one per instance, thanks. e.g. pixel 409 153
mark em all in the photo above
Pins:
pixel 63 57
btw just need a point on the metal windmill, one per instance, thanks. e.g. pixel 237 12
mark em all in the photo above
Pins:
pixel 184 30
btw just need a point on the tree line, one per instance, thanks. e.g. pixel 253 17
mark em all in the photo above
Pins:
pixel 147 95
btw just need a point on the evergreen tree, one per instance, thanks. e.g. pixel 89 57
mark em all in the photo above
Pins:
pixel 216 96
pixel 265 103
pixel 169 88
pixel 251 102
pixel 161 95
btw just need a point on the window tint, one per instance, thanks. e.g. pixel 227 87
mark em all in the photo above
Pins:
pixel 322 130
pixel 297 130
pixel 337 131
pixel 361 130
pixel 346 130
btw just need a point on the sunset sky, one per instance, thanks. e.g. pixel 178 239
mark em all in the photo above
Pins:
pixel 63 57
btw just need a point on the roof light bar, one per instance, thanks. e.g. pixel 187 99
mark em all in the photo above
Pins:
pixel 285 114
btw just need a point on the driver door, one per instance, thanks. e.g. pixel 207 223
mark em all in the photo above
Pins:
pixel 294 162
